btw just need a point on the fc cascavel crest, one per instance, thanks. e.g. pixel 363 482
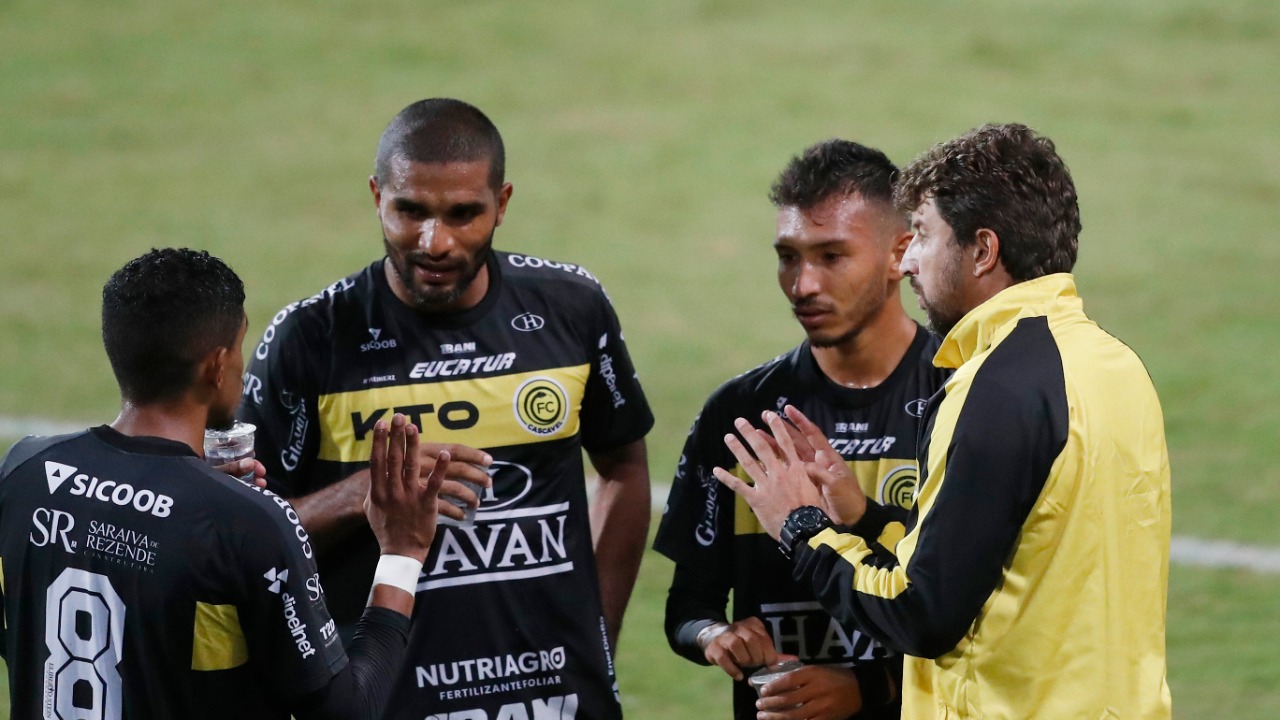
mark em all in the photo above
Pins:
pixel 898 487
pixel 541 406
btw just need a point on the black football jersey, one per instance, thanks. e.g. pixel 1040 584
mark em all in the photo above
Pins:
pixel 508 621
pixel 138 583
pixel 706 528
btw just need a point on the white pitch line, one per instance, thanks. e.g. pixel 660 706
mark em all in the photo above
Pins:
pixel 1183 550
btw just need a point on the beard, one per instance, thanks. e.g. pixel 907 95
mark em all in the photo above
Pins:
pixel 867 307
pixel 438 299
pixel 941 307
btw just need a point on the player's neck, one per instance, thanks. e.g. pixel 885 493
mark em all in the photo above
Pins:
pixel 178 421
pixel 869 357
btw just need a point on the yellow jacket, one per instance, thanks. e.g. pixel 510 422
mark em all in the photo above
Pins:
pixel 1031 577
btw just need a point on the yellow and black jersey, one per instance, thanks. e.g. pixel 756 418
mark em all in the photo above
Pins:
pixel 716 541
pixel 1032 578
pixel 508 617
pixel 138 583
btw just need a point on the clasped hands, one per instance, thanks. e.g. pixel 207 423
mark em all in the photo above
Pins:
pixel 790 466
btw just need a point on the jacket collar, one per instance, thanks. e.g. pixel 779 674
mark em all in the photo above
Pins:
pixel 980 328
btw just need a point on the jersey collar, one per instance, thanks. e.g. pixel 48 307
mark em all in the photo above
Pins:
pixel 986 324
pixel 141 444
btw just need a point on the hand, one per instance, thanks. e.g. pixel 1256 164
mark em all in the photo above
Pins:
pixel 400 506
pixel 247 470
pixel 846 503
pixel 814 692
pixel 465 463
pixel 742 644
pixel 781 482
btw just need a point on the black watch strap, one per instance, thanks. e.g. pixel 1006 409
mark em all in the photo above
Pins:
pixel 802 524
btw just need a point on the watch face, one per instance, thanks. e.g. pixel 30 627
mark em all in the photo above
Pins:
pixel 809 518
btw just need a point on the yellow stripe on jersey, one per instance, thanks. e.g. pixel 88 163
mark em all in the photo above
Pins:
pixel 482 412
pixel 219 642
pixel 880 582
pixel 891 480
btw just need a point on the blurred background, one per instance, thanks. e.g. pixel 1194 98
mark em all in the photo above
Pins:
pixel 642 139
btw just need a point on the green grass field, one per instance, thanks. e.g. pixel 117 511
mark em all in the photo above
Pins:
pixel 641 140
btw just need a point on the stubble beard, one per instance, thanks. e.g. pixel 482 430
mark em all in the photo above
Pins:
pixel 866 310
pixel 429 300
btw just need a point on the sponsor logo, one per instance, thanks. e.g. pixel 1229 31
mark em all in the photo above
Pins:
pixel 53 526
pixel 504 545
pixel 534 262
pixel 453 415
pixel 556 707
pixel 805 630
pixel 375 379
pixel 252 388
pixel 916 407
pixel 869 446
pixel 329 632
pixel 268 335
pixel 291 454
pixel 455 348
pixel 854 427
pixel 541 405
pixel 121 545
pixel 705 531
pixel 463 366
pixel 276 579
pixel 782 403
pixel 315 590
pixel 290 514
pixel 610 377
pixel 898 486
pixel 376 343
pixel 528 322
pixel 297 628
pixel 491 668
pixel 508 476
pixel 122 494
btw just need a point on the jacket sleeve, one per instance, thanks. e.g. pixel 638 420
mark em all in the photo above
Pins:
pixel 990 446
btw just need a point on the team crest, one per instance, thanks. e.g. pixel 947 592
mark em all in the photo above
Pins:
pixel 898 486
pixel 541 406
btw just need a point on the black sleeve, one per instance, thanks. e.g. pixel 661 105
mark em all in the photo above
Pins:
pixel 980 482
pixel 693 602
pixel 280 399
pixel 615 411
pixel 361 689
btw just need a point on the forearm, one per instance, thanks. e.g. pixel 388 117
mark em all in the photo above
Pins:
pixel 331 513
pixel 361 689
pixel 620 526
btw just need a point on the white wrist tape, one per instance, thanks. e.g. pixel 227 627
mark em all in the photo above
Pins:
pixel 398 571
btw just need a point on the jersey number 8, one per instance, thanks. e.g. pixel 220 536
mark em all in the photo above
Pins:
pixel 84 628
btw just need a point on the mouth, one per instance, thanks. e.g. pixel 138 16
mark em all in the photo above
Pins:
pixel 436 273
pixel 811 317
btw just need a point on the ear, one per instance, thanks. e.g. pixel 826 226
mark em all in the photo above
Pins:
pixel 504 195
pixel 986 252
pixel 898 249
pixel 211 369
pixel 377 191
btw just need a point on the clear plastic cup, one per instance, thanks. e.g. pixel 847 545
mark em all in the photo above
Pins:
pixel 469 513
pixel 225 446
pixel 769 673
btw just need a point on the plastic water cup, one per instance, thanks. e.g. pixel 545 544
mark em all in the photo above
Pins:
pixel 225 446
pixel 469 513
pixel 769 673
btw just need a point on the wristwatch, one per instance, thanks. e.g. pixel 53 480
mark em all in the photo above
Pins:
pixel 802 524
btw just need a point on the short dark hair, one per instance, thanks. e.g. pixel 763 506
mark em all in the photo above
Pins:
pixel 1010 180
pixel 161 313
pixel 834 167
pixel 441 130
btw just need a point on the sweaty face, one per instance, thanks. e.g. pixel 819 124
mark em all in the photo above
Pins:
pixel 935 263
pixel 836 265
pixel 438 221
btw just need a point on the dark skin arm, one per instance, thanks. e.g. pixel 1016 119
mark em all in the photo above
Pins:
pixel 619 526
pixel 331 513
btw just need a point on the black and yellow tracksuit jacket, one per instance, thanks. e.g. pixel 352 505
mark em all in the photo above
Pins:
pixel 1031 576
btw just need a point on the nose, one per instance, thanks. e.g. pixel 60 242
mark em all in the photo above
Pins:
pixel 807 282
pixel 910 264
pixel 433 238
